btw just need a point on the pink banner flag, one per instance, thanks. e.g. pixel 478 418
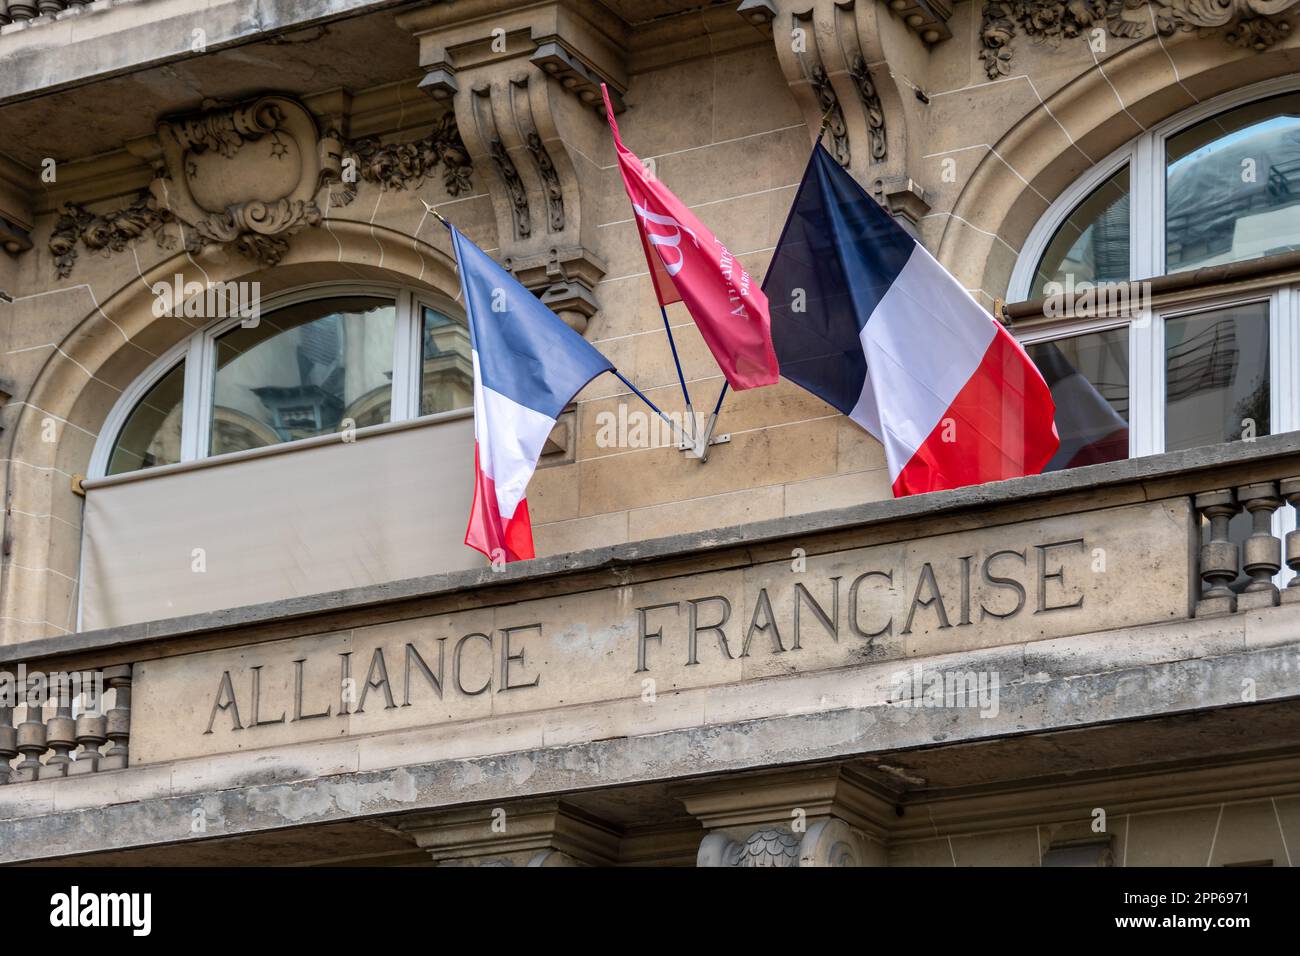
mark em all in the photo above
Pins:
pixel 689 264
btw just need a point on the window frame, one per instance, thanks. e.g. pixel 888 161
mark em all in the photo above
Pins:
pixel 198 351
pixel 1145 156
pixel 1147 358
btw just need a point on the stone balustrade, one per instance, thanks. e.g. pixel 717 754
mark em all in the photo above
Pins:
pixel 1260 557
pixel 67 719
pixel 17 10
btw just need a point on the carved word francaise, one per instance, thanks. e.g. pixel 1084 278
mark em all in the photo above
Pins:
pixel 868 612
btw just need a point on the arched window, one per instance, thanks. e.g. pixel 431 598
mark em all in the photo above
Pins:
pixel 1150 343
pixel 312 362
pixel 1150 337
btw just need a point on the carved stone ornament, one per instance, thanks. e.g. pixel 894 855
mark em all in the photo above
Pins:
pixel 110 231
pixel 514 187
pixel 832 115
pixel 826 843
pixel 408 165
pixel 871 106
pixel 1254 24
pixel 246 175
pixel 250 176
pixel 832 59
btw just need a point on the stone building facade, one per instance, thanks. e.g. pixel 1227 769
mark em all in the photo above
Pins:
pixel 245 534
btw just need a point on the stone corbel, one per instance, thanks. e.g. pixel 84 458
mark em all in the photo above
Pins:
pixel 525 88
pixel 532 833
pixel 904 198
pixel 13 237
pixel 825 816
pixel 17 184
pixel 848 64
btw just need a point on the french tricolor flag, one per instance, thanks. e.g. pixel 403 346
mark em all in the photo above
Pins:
pixel 527 366
pixel 865 318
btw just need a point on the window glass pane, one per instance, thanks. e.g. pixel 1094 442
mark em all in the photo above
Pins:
pixel 1233 183
pixel 152 433
pixel 1088 376
pixel 1092 244
pixel 301 371
pixel 1216 376
pixel 447 369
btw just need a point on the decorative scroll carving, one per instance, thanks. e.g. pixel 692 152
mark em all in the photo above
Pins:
pixel 550 182
pixel 771 846
pixel 871 106
pixel 514 187
pixel 1253 24
pixel 111 231
pixel 833 116
pixel 830 842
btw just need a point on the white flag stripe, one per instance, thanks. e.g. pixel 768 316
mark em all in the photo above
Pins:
pixel 915 372
pixel 510 438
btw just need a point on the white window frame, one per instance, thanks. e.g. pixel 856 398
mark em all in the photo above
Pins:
pixel 1145 157
pixel 198 352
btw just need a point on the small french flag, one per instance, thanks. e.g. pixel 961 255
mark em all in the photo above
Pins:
pixel 866 319
pixel 527 366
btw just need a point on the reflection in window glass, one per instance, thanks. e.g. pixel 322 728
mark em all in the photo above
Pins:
pixel 1088 376
pixel 1092 244
pixel 301 371
pixel 152 433
pixel 1233 184
pixel 447 368
pixel 1216 376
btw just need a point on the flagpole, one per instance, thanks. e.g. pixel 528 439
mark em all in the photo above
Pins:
pixel 681 378
pixel 703 449
pixel 681 436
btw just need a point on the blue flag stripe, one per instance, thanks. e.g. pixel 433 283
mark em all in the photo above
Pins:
pixel 525 351
pixel 838 255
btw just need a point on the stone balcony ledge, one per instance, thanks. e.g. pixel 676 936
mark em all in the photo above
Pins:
pixel 80 44
pixel 1051 604
pixel 1152 478
pixel 1067 684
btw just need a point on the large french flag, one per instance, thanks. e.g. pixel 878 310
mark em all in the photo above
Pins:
pixel 527 366
pixel 865 318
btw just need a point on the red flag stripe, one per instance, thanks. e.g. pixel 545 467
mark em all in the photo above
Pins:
pixel 1000 425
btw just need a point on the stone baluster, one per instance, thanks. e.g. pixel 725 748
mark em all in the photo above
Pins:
pixel 1290 490
pixel 48 8
pixel 1218 555
pixel 1263 552
pixel 92 731
pixel 31 743
pixel 4 13
pixel 60 731
pixel 22 9
pixel 8 742
pixel 119 718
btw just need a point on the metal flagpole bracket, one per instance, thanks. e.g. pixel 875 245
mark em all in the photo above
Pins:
pixel 700 449
pixel 708 440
